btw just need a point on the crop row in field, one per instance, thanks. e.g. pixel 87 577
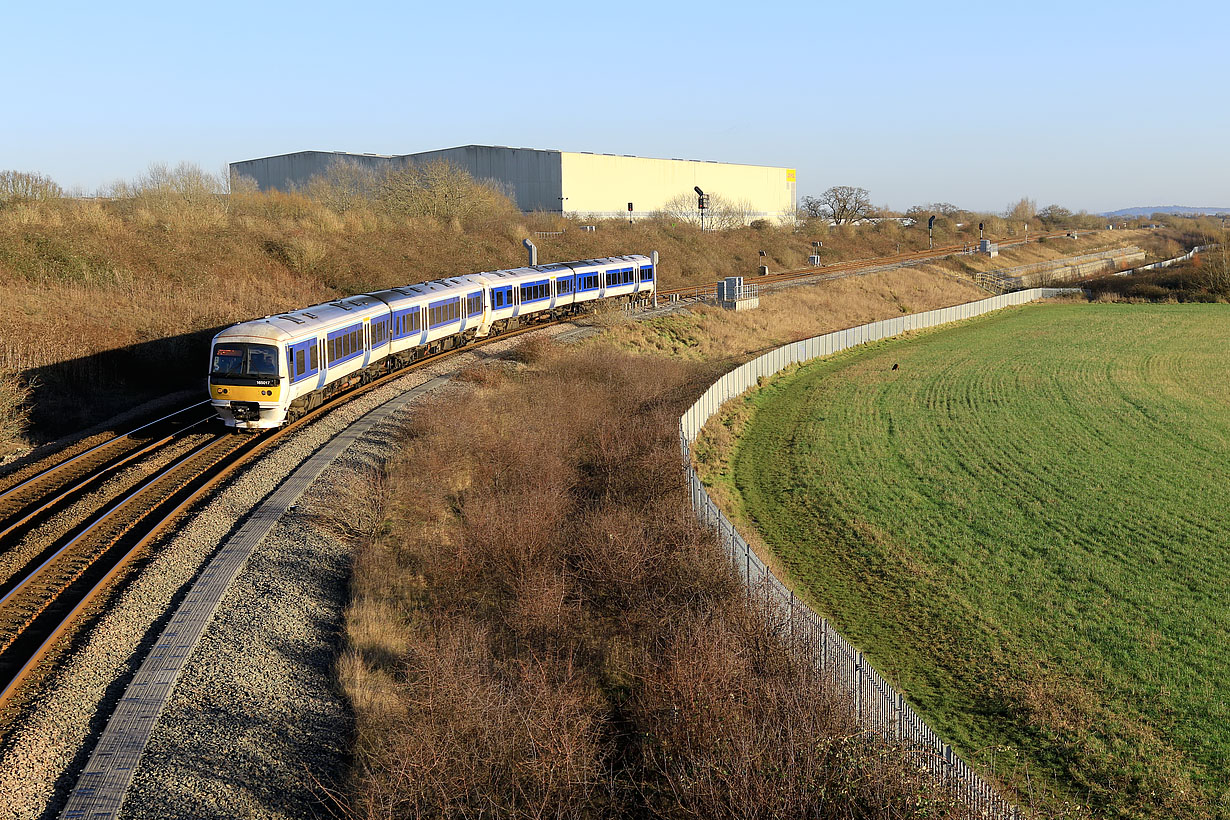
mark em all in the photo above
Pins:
pixel 1023 521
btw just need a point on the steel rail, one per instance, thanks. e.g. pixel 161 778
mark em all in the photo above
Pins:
pixel 855 265
pixel 109 442
pixel 28 584
pixel 95 476
pixel 258 444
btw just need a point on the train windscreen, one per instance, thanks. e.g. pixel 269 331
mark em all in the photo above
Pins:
pixel 245 360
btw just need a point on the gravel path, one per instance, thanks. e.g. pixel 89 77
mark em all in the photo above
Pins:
pixel 255 723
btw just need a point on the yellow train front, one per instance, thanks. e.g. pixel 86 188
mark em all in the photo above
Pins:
pixel 267 372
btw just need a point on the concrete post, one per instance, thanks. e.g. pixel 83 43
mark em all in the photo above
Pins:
pixel 653 259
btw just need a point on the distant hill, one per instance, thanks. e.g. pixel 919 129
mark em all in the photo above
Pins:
pixel 1181 210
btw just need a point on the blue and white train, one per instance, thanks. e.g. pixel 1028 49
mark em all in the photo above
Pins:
pixel 269 372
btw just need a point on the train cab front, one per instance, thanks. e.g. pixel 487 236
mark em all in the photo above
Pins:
pixel 246 385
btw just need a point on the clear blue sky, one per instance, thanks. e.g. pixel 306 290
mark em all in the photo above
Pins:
pixel 1093 105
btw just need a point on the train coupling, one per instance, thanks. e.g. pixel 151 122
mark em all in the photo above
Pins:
pixel 246 410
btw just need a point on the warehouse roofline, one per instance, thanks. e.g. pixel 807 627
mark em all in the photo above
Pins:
pixel 507 148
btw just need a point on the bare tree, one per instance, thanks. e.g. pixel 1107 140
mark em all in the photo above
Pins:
pixel 1055 214
pixel 346 184
pixel 721 215
pixel 20 186
pixel 1023 210
pixel 841 204
pixel 440 189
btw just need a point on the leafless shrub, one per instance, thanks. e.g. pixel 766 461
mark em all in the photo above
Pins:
pixel 482 738
pixel 21 186
pixel 347 185
pixel 183 198
pixel 14 414
pixel 357 504
pixel 570 642
pixel 530 351
pixel 441 190
pixel 722 214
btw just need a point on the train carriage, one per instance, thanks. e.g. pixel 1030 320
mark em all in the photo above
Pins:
pixel 269 371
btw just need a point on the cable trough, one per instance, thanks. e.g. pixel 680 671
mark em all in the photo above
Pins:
pixel 103 783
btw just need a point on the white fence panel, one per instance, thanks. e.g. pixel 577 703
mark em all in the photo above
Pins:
pixel 878 706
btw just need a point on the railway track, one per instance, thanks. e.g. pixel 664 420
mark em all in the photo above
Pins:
pixel 39 486
pixel 41 606
pixel 43 598
pixel 837 270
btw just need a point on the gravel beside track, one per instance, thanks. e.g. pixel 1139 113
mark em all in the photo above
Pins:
pixel 255 725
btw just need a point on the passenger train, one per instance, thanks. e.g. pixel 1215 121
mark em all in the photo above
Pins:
pixel 269 372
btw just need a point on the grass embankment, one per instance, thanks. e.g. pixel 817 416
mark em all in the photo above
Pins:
pixel 117 297
pixel 1025 526
pixel 540 628
pixel 537 627
pixel 705 332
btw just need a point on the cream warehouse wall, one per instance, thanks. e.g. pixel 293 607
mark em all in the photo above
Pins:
pixel 604 184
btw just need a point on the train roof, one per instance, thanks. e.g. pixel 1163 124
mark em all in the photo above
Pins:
pixel 407 294
pixel 283 326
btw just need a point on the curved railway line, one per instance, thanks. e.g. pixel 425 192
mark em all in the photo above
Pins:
pixel 837 270
pixel 41 604
pixel 43 596
pixel 75 525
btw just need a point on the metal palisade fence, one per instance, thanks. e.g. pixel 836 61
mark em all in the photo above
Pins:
pixel 879 707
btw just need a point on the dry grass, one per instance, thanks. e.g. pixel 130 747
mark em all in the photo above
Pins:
pixel 540 628
pixel 705 332
pixel 168 259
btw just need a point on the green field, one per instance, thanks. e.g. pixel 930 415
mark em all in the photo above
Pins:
pixel 1026 527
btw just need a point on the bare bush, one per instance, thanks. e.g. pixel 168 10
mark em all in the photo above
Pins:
pixel 441 190
pixel 573 643
pixel 21 186
pixel 357 504
pixel 722 214
pixel 183 198
pixel 532 350
pixel 345 186
pixel 14 414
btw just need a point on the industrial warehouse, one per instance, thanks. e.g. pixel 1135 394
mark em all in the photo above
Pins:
pixel 567 182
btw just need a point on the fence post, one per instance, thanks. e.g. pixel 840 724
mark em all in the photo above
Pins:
pixel 747 567
pixel 824 660
pixel 858 685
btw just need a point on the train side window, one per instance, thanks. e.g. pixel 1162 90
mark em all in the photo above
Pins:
pixel 312 358
pixel 300 362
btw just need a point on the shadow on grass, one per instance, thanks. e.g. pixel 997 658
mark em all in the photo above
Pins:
pixel 84 392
